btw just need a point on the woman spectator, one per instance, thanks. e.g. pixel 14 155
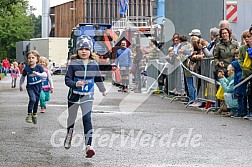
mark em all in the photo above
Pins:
pixel 224 51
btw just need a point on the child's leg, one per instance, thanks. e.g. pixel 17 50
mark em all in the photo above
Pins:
pixel 42 99
pixel 241 107
pixel 12 82
pixel 35 107
pixel 32 100
pixel 86 109
pixel 15 81
pixel 72 114
pixel 250 104
pixel 47 96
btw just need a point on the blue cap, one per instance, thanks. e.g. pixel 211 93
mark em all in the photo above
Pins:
pixel 84 41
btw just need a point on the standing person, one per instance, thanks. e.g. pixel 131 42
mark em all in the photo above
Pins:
pixel 20 67
pixel 14 74
pixel 137 59
pixel 224 51
pixel 47 84
pixel 6 66
pixel 34 73
pixel 245 61
pixel 81 75
pixel 123 60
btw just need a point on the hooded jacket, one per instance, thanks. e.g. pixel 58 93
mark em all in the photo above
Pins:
pixel 241 90
pixel 77 69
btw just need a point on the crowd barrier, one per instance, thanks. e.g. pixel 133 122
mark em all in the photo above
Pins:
pixel 205 83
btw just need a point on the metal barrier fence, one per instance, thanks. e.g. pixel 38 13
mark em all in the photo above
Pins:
pixel 205 83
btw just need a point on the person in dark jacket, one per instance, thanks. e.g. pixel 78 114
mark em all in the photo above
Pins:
pixel 137 60
pixel 81 75
pixel 239 92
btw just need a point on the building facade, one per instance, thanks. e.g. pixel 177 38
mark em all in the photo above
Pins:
pixel 66 16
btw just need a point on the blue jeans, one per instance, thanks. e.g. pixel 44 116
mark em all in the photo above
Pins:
pixel 86 118
pixel 191 88
pixel 33 101
pixel 250 104
pixel 242 105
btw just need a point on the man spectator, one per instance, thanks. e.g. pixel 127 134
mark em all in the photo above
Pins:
pixel 124 62
pixel 6 66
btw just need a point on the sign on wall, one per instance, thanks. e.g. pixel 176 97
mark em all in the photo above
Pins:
pixel 231 11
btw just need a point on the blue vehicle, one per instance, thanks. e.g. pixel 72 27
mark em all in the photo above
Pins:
pixel 97 33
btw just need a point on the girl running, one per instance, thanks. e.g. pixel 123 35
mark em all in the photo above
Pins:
pixel 81 75
pixel 15 72
pixel 47 84
pixel 34 73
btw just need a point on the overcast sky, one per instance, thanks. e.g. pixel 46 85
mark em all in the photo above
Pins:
pixel 38 5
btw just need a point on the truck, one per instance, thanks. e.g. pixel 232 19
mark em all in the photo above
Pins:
pixel 55 49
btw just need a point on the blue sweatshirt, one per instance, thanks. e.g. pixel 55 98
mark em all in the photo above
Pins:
pixel 89 74
pixel 123 57
pixel 241 90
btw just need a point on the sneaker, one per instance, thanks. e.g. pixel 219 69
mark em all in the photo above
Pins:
pixel 126 90
pixel 236 116
pixel 34 118
pixel 249 116
pixel 89 151
pixel 28 119
pixel 42 109
pixel 68 139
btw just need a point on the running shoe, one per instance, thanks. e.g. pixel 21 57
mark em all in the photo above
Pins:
pixel 68 139
pixel 28 119
pixel 34 118
pixel 89 151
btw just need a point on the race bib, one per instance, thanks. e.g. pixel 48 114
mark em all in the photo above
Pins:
pixel 45 83
pixel 88 87
pixel 33 79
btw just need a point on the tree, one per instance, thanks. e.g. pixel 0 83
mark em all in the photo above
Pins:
pixel 15 25
pixel 37 21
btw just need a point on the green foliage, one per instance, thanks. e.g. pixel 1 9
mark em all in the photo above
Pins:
pixel 16 24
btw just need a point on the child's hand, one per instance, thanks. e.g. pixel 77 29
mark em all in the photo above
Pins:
pixel 80 83
pixel 34 72
pixel 51 90
pixel 220 74
pixel 104 93
pixel 21 89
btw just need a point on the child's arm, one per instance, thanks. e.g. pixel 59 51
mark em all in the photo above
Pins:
pixel 43 74
pixel 50 80
pixel 69 77
pixel 21 82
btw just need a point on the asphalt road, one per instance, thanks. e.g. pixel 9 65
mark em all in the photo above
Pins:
pixel 134 130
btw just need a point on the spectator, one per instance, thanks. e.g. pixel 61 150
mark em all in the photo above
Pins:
pixel 6 66
pixel 228 85
pixel 137 63
pixel 245 62
pixel 209 47
pixel 224 51
pixel 226 24
pixel 239 92
pixel 123 60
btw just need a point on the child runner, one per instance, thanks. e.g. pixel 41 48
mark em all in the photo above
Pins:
pixel 34 72
pixel 47 84
pixel 81 75
pixel 15 72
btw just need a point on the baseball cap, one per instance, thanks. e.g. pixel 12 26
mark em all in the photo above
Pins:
pixel 195 32
pixel 84 41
